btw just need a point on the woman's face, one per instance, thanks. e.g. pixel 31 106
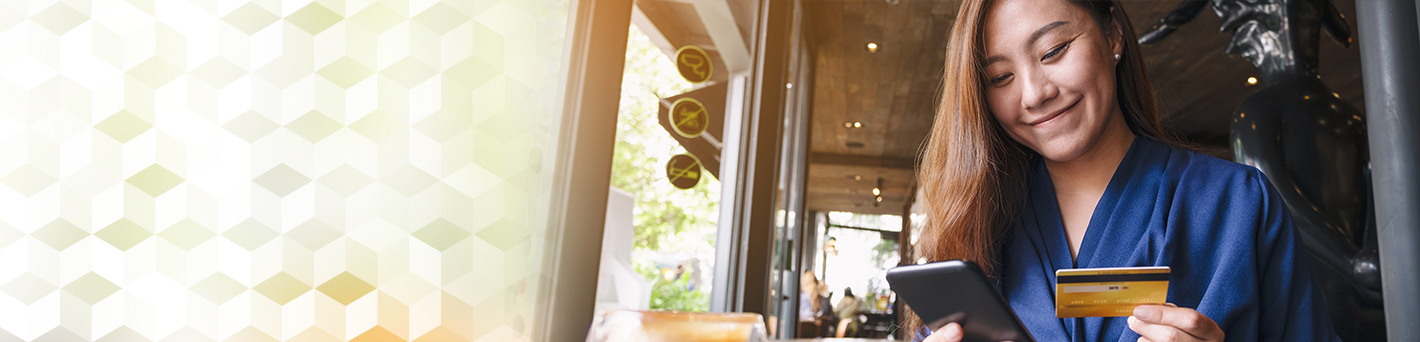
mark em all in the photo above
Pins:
pixel 1050 76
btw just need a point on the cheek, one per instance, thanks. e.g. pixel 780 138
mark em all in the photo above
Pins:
pixel 1005 108
pixel 1003 105
pixel 1094 72
pixel 1080 74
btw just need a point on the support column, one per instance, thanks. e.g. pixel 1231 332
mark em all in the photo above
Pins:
pixel 1390 41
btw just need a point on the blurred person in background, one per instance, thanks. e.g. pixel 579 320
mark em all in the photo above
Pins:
pixel 809 306
pixel 827 321
pixel 847 311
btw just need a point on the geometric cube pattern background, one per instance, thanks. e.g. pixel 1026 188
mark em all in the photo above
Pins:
pixel 231 170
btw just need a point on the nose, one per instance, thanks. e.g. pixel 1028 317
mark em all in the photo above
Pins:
pixel 1038 91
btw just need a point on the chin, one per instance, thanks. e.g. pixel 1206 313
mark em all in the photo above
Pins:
pixel 1063 149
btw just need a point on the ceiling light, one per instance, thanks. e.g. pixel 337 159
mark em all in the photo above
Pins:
pixel 789 85
pixel 1252 81
pixel 878 192
pixel 873 47
pixel 857 124
pixel 857 177
pixel 847 125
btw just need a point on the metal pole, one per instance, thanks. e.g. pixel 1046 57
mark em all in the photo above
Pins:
pixel 763 159
pixel 751 172
pixel 1390 41
pixel 795 173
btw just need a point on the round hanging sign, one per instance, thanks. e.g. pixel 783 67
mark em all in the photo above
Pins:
pixel 684 171
pixel 688 117
pixel 693 64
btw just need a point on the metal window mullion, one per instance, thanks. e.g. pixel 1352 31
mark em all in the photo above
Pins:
pixel 577 213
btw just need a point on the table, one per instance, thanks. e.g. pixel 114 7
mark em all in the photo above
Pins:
pixel 838 340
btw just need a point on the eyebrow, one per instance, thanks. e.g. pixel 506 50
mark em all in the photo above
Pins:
pixel 1043 30
pixel 1033 38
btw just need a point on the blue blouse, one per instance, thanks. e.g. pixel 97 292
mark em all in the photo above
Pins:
pixel 1219 225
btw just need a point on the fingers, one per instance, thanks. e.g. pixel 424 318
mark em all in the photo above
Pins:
pixel 1187 320
pixel 1158 332
pixel 948 333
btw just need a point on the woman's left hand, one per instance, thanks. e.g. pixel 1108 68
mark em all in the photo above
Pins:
pixel 1160 323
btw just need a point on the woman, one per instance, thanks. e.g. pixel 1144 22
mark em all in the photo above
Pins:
pixel 809 307
pixel 1047 154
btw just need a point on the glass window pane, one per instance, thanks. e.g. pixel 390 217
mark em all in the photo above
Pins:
pixel 667 264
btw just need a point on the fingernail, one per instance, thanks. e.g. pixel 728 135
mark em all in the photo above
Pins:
pixel 1145 313
pixel 952 329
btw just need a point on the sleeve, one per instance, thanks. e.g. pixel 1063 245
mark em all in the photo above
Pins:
pixel 921 334
pixel 1291 307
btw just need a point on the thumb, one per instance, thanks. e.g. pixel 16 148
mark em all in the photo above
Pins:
pixel 950 333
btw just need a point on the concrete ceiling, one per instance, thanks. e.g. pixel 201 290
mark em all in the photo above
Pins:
pixel 893 92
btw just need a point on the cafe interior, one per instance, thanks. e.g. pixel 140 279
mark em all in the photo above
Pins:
pixel 818 111
pixel 607 170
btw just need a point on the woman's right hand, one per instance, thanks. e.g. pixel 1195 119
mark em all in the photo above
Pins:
pixel 948 333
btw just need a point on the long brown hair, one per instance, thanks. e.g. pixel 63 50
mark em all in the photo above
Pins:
pixel 973 174
pixel 813 294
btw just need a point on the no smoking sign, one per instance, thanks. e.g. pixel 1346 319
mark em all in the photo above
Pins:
pixel 683 170
pixel 688 117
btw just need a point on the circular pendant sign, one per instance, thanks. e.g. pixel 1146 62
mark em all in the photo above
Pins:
pixel 693 64
pixel 684 171
pixel 688 117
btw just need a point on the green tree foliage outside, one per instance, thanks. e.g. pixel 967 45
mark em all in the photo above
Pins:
pixel 674 294
pixel 666 218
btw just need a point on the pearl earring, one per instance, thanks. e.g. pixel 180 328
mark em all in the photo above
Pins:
pixel 1116 57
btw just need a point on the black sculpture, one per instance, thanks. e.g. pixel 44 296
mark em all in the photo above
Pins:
pixel 1309 142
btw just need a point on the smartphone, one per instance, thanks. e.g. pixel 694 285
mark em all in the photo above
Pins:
pixel 957 291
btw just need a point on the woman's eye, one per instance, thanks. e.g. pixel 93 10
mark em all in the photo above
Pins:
pixel 1054 51
pixel 998 79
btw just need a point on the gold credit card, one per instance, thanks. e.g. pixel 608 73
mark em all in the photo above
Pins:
pixel 1108 292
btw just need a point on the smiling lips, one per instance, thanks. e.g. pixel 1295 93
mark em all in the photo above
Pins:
pixel 1052 116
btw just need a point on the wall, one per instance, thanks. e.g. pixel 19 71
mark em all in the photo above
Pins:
pixel 274 170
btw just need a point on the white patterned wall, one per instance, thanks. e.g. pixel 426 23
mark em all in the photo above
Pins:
pixel 215 170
